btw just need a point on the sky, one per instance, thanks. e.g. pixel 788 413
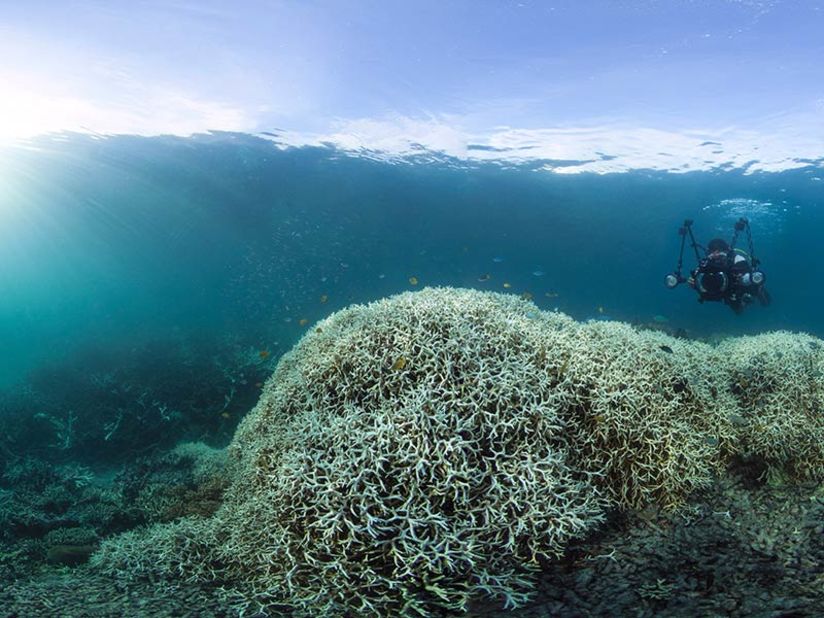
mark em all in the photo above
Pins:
pixel 614 84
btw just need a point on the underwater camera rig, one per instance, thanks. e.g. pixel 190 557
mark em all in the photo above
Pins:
pixel 675 278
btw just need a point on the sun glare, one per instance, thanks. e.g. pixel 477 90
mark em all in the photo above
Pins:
pixel 25 113
pixel 30 110
pixel 20 115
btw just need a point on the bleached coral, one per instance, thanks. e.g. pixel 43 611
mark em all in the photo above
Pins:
pixel 207 461
pixel 406 455
pixel 412 454
pixel 646 412
pixel 778 381
pixel 181 550
pixel 410 448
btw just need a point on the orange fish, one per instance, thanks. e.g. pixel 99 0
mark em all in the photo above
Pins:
pixel 413 281
pixel 399 364
pixel 507 284
pixel 303 322
pixel 264 354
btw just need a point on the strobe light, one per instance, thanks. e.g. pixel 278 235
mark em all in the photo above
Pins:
pixel 757 277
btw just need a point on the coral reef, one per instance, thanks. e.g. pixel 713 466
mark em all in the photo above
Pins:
pixel 188 480
pixel 57 515
pixel 436 447
pixel 778 382
pixel 113 402
pixel 646 413
pixel 407 455
pixel 737 550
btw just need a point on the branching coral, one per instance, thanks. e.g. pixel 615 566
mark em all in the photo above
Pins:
pixel 412 454
pixel 646 412
pixel 410 448
pixel 778 382
pixel 407 455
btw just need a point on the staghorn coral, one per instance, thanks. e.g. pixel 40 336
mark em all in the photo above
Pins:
pixel 415 453
pixel 381 487
pixel 188 480
pixel 182 550
pixel 645 412
pixel 778 381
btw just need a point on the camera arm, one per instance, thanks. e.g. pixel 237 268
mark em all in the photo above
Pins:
pixel 676 277
pixel 741 225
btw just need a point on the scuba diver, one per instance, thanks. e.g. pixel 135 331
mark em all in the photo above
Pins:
pixel 725 274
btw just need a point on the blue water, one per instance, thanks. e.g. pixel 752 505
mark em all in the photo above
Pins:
pixel 108 242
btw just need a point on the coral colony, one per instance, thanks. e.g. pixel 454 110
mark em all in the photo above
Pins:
pixel 432 448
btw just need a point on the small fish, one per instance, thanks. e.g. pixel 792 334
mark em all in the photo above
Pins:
pixel 413 281
pixel 738 420
pixel 551 294
pixel 497 259
pixel 318 330
pixel 381 276
pixel 264 354
pixel 226 415
pixel 527 295
pixel 666 348
pixel 538 273
pixel 601 310
pixel 258 384
pixel 485 277
pixel 711 441
pixel 323 298
pixel 507 284
pixel 303 322
pixel 660 319
pixel 399 364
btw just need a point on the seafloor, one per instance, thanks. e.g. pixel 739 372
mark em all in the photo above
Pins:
pixel 743 547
